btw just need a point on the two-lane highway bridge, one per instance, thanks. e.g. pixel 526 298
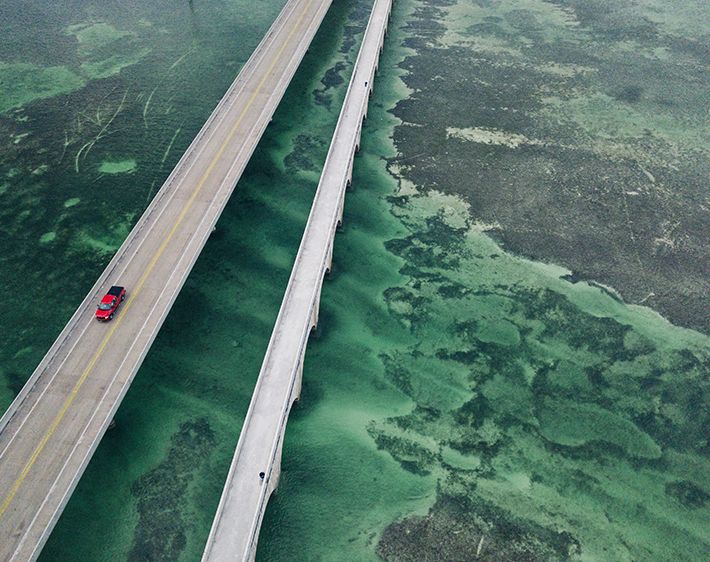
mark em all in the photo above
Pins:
pixel 50 431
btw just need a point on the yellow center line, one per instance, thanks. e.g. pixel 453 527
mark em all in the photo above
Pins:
pixel 92 363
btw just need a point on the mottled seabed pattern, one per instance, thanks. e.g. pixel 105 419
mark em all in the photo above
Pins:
pixel 532 416
pixel 459 402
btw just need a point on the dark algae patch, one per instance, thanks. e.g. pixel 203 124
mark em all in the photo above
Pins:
pixel 161 494
pixel 577 131
pixel 688 494
pixel 457 529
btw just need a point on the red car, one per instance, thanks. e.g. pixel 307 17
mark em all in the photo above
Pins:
pixel 110 303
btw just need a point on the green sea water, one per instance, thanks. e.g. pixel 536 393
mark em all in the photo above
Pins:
pixel 458 400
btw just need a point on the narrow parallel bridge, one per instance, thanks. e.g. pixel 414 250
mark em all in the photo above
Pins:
pixel 53 427
pixel 256 466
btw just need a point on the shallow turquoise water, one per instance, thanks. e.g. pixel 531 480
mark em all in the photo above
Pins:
pixel 444 370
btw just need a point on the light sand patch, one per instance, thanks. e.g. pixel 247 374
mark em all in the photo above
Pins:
pixel 565 70
pixel 451 209
pixel 556 21
pixel 22 83
pixel 683 18
pixel 93 36
pixel 603 118
pixel 112 65
pixel 17 139
pixel 95 40
pixel 405 187
pixel 490 136
pixel 455 458
pixel 480 226
pixel 127 166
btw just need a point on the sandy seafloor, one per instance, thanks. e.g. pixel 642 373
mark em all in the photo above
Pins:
pixel 460 402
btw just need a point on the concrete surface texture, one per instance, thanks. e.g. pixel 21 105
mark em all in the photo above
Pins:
pixel 255 468
pixel 50 431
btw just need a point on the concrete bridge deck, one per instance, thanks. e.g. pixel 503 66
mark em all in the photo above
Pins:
pixel 255 468
pixel 50 431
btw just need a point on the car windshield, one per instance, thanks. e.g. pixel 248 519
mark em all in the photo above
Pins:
pixel 106 305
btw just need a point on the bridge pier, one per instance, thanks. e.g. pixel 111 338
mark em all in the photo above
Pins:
pixel 313 324
pixel 271 480
pixel 296 394
pixel 329 260
pixel 349 180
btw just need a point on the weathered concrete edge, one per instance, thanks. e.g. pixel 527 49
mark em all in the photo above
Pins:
pixel 371 35
pixel 188 155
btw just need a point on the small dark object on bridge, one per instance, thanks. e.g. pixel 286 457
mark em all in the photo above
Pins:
pixel 261 475
pixel 365 82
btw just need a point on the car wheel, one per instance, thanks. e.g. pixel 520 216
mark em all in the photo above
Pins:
pixel 110 316
pixel 123 297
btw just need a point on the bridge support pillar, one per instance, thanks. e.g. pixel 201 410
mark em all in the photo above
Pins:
pixel 329 259
pixel 314 315
pixel 349 180
pixel 298 383
pixel 341 210
pixel 276 470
